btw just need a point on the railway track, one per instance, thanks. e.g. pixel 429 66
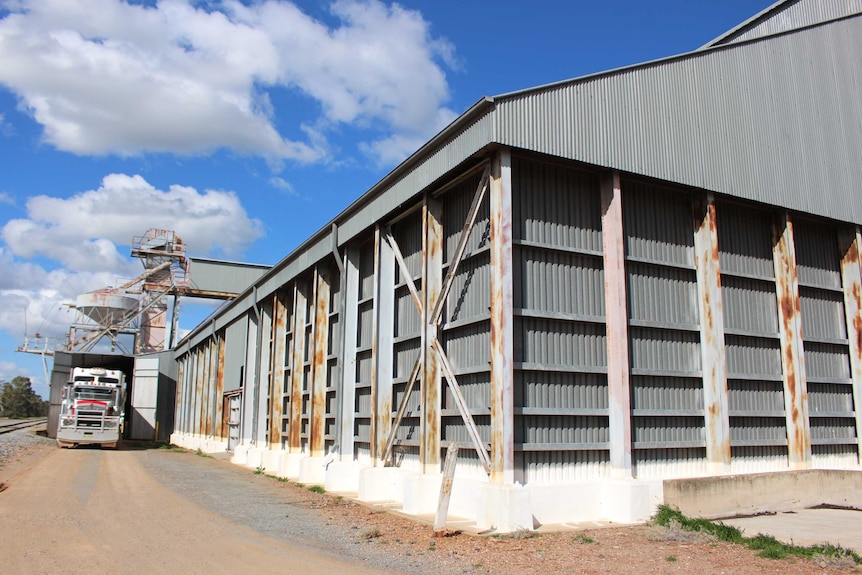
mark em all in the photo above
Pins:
pixel 10 426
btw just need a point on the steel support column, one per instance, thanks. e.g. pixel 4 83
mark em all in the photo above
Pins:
pixel 256 373
pixel 199 388
pixel 297 367
pixel 616 317
pixel 851 280
pixel 502 322
pixel 276 363
pixel 713 360
pixel 212 357
pixel 382 360
pixel 350 313
pixel 180 396
pixel 219 413
pixel 432 282
pixel 319 367
pixel 792 352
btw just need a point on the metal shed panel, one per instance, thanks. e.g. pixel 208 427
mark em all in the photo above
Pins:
pixel 771 120
pixel 236 340
pixel 786 16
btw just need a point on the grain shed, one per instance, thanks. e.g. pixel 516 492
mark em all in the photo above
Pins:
pixel 592 287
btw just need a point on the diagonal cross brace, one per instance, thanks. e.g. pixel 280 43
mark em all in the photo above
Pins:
pixel 434 319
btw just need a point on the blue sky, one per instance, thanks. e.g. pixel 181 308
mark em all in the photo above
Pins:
pixel 247 126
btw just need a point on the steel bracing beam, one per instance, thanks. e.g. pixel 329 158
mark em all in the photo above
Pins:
pixel 432 340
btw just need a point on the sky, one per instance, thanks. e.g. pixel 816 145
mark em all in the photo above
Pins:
pixel 246 126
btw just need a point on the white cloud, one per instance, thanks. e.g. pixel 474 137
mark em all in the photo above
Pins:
pixel 283 185
pixel 105 76
pixel 82 232
pixel 6 198
pixel 84 235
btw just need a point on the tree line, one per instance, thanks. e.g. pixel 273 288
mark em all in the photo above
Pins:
pixel 18 400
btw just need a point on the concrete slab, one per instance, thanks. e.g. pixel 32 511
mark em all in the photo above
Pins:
pixel 805 527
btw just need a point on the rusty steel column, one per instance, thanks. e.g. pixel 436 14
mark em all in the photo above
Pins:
pixel 199 388
pixel 851 280
pixel 211 386
pixel 373 432
pixel 713 360
pixel 219 414
pixel 384 334
pixel 180 396
pixel 206 403
pixel 502 321
pixel 277 358
pixel 432 282
pixel 319 366
pixel 297 367
pixel 350 319
pixel 617 335
pixel 792 352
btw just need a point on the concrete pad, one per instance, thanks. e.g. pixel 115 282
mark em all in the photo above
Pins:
pixel 840 527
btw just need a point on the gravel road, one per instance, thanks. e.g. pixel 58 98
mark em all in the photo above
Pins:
pixel 170 511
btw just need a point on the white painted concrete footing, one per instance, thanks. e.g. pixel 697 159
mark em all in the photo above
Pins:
pixel 378 484
pixel 271 460
pixel 254 457
pixel 290 465
pixel 312 470
pixel 342 477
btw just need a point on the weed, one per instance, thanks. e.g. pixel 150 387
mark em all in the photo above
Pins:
pixel 200 453
pixel 583 539
pixel 298 484
pixel 767 545
pixel 259 470
pixel 670 559
pixel 477 565
pixel 317 489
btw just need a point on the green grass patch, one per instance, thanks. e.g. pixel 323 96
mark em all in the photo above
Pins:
pixel 583 539
pixel 768 546
pixel 317 489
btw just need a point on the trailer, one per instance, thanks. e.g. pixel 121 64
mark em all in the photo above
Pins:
pixel 92 410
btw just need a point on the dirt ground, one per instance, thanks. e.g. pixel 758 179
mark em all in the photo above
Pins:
pixel 93 511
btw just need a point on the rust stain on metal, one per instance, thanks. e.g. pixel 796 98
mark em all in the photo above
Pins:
pixel 789 312
pixel 319 366
pixel 199 382
pixel 221 421
pixel 856 294
pixel 377 431
pixel 297 373
pixel 278 356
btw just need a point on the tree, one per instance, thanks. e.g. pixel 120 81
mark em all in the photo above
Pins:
pixel 18 400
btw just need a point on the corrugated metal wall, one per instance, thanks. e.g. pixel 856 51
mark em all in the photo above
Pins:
pixel 794 15
pixel 664 341
pixel 466 328
pixel 766 121
pixel 561 392
pixel 366 312
pixel 407 336
pixel 755 390
pixel 561 425
pixel 824 332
